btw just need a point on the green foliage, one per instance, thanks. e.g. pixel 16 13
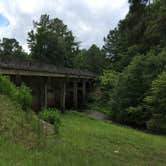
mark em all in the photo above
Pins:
pixel 51 41
pixel 51 115
pixel 157 98
pixel 137 6
pixel 134 116
pixel 129 90
pixel 143 29
pixel 155 103
pixel 21 95
pixel 18 126
pixel 126 91
pixel 136 49
pixel 157 124
pixel 7 88
pixel 11 47
pixel 109 79
pixel 24 97
pixel 92 59
pixel 96 95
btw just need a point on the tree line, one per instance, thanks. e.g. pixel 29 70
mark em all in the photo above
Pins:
pixel 130 65
pixel 52 42
pixel 134 87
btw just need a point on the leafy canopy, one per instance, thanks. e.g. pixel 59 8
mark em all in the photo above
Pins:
pixel 51 41
pixel 11 47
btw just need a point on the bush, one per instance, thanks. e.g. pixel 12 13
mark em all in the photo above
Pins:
pixel 21 95
pixel 24 97
pixel 7 88
pixel 52 116
pixel 157 124
pixel 134 116
pixel 108 82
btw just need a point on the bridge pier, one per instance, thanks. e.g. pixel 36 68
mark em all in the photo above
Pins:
pixel 63 97
pixel 45 94
pixel 75 96
pixel 56 92
pixel 18 80
pixel 84 90
pixel 41 95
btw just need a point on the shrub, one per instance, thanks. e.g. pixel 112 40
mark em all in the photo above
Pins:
pixel 24 97
pixel 134 116
pixel 109 79
pixel 7 88
pixel 157 124
pixel 21 95
pixel 51 115
pixel 108 82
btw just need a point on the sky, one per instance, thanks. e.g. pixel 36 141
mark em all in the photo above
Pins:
pixel 89 20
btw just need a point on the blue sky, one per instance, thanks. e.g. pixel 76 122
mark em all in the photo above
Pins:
pixel 4 22
pixel 89 20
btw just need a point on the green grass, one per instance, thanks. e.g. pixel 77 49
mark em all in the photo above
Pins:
pixel 19 126
pixel 84 141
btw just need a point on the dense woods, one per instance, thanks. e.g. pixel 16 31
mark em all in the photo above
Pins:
pixel 137 53
pixel 130 66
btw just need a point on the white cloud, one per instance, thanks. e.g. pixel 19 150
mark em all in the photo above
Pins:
pixel 90 20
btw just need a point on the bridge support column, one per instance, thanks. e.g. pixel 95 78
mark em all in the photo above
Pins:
pixel 84 91
pixel 41 97
pixel 75 95
pixel 18 80
pixel 45 95
pixel 63 99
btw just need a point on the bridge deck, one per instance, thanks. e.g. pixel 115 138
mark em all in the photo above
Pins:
pixel 13 66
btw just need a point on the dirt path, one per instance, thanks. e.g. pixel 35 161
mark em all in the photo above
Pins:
pixel 97 115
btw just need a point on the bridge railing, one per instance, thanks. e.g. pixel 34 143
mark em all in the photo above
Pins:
pixel 9 62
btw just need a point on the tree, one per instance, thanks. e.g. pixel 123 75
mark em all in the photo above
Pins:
pixel 114 49
pixel 51 41
pixel 111 44
pixel 143 29
pixel 11 47
pixel 108 81
pixel 127 98
pixel 137 5
pixel 79 60
pixel 155 103
pixel 94 59
pixel 157 96
pixel 162 21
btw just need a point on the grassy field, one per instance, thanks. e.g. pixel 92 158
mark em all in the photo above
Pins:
pixel 84 141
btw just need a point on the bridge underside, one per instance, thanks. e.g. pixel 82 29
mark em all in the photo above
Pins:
pixel 51 86
pixel 54 91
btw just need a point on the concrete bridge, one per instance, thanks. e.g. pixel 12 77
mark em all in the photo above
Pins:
pixel 51 86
